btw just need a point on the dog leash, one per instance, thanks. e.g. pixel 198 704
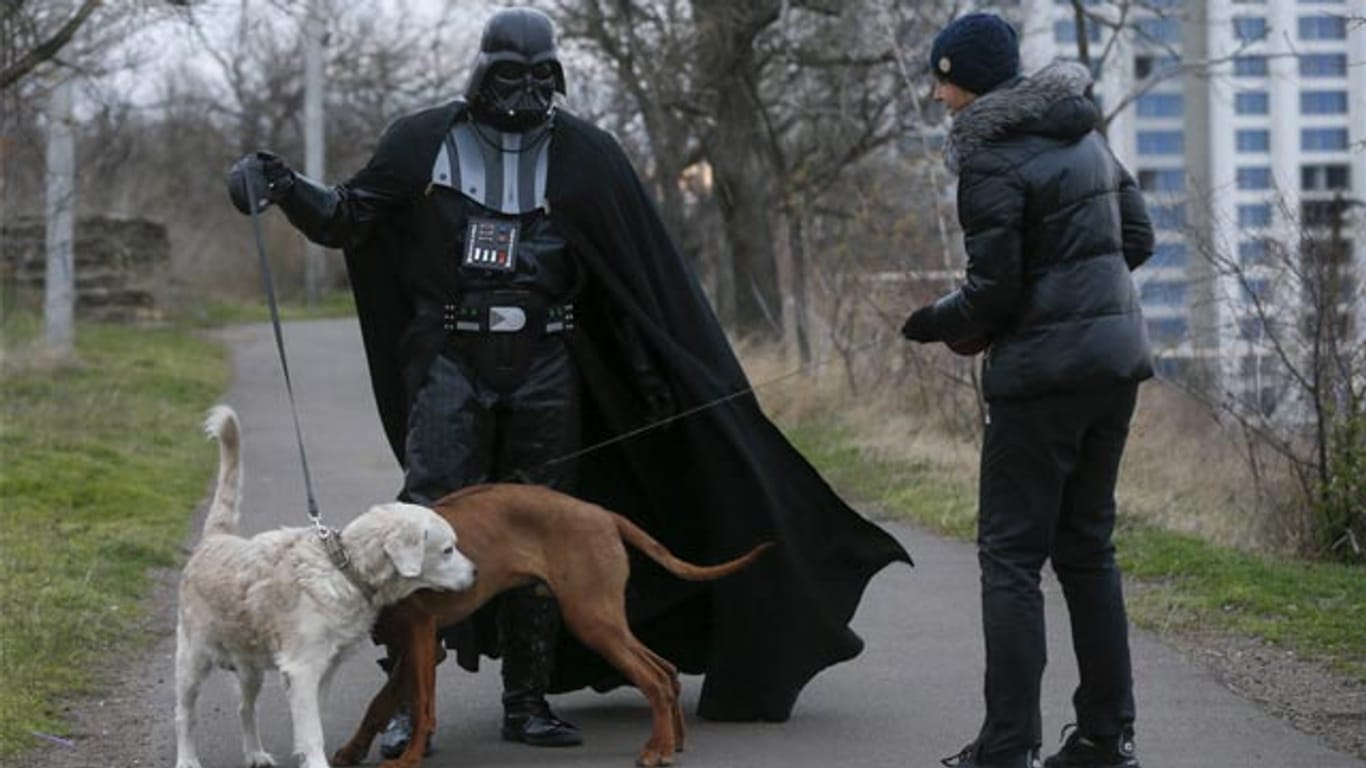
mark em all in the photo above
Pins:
pixel 330 537
pixel 638 431
pixel 693 411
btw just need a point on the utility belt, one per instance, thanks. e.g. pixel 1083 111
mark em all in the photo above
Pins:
pixel 498 333
pixel 507 312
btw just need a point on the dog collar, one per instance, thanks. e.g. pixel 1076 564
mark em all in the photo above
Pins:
pixel 336 552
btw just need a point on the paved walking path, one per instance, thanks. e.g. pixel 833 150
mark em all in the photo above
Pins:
pixel 911 697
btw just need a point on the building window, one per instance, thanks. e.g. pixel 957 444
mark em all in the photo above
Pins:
pixel 1160 105
pixel 1257 288
pixel 1321 213
pixel 1167 331
pixel 1172 368
pixel 1254 178
pixel 1323 103
pixel 1254 215
pixel 1167 180
pixel 1170 256
pixel 1249 29
pixel 1325 178
pixel 1066 31
pixel 1253 140
pixel 1251 328
pixel 1168 216
pixel 1161 142
pixel 1254 253
pixel 1249 66
pixel 1323 28
pixel 1160 29
pixel 1251 102
pixel 1163 293
pixel 1323 65
pixel 1323 139
pixel 1146 65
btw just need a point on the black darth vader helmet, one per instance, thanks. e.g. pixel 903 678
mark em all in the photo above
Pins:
pixel 517 72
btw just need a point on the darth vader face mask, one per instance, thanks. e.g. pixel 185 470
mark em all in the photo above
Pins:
pixel 515 96
pixel 517 72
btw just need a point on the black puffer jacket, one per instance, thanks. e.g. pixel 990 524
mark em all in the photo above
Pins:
pixel 1052 224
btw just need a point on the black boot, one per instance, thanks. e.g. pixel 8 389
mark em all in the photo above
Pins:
pixel 393 740
pixel 528 625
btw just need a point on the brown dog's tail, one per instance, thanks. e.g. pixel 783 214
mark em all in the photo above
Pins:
pixel 221 425
pixel 633 535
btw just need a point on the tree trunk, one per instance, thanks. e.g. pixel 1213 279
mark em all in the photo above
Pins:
pixel 59 303
pixel 797 251
pixel 735 147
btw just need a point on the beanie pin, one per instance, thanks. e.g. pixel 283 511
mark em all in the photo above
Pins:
pixel 944 64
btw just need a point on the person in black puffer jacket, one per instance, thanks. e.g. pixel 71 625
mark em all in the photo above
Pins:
pixel 1052 224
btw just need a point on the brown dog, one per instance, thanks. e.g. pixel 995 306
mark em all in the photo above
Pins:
pixel 518 535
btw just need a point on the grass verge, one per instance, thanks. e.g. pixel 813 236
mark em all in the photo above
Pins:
pixel 1316 609
pixel 228 311
pixel 100 464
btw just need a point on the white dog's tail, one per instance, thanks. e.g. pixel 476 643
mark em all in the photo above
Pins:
pixel 221 425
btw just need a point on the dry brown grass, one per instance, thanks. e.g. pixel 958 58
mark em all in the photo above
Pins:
pixel 1183 470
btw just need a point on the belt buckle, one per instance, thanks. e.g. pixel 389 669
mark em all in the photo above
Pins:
pixel 506 319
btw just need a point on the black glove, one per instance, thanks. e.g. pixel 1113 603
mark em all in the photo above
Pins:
pixel 270 177
pixel 917 326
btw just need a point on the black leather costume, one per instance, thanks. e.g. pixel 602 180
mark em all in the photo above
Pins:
pixel 645 345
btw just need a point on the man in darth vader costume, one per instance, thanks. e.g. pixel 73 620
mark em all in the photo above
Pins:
pixel 520 302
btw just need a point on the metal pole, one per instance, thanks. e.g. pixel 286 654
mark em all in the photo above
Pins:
pixel 315 265
pixel 59 300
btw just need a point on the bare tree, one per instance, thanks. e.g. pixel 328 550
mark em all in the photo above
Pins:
pixel 1294 307
pixel 35 33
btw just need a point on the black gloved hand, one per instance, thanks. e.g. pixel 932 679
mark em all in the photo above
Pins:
pixel 917 326
pixel 270 177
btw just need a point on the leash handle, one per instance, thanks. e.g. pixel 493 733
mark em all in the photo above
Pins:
pixel 267 281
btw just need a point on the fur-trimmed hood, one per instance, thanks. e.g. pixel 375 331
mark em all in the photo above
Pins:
pixel 1053 102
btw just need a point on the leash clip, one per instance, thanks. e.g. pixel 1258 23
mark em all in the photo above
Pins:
pixel 331 541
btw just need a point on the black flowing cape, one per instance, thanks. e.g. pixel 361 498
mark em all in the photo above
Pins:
pixel 709 486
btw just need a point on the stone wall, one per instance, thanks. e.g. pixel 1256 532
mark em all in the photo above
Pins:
pixel 122 267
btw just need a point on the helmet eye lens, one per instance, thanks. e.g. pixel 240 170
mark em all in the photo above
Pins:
pixel 543 71
pixel 509 72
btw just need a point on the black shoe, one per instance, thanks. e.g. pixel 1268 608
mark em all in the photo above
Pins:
pixel 394 740
pixel 1080 751
pixel 967 758
pixel 541 730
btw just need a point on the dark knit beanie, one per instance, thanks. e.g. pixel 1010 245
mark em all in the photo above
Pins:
pixel 976 52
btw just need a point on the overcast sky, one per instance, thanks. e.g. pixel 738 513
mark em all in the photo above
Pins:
pixel 171 46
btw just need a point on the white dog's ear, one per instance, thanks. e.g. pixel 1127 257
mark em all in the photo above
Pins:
pixel 403 545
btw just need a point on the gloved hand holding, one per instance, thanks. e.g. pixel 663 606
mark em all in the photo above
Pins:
pixel 270 177
pixel 917 326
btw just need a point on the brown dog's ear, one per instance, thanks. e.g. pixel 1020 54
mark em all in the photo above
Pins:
pixel 403 545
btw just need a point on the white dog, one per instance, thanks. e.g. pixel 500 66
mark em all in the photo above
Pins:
pixel 278 600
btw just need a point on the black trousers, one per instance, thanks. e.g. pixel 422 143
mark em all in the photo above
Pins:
pixel 1047 491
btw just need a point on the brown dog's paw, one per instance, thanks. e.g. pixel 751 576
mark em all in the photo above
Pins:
pixel 348 755
pixel 653 756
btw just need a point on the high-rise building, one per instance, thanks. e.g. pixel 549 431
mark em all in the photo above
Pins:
pixel 1244 122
